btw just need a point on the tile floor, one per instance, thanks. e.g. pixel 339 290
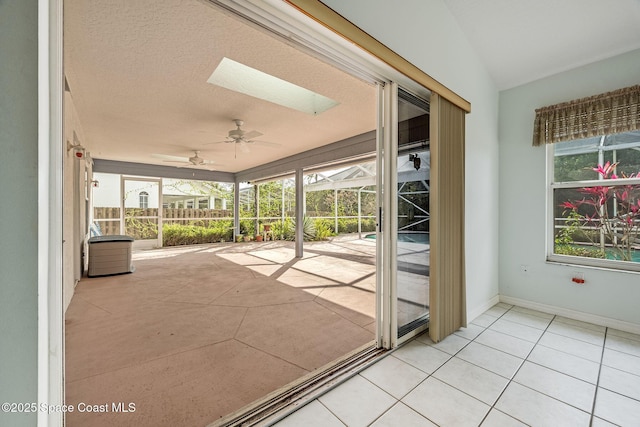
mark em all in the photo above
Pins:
pixel 510 367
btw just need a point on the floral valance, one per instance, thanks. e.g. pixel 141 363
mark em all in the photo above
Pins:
pixel 608 113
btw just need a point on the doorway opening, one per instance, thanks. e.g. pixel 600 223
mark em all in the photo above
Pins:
pixel 236 287
pixel 202 330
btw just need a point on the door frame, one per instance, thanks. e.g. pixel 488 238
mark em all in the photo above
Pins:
pixel 389 213
pixel 387 233
pixel 141 244
pixel 316 25
pixel 50 353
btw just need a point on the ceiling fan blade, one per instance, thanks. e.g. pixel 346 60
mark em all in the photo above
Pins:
pixel 251 134
pixel 168 158
pixel 218 142
pixel 266 143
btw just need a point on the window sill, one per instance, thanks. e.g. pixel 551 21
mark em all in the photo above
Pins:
pixel 594 264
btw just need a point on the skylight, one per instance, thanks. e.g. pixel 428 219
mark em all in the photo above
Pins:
pixel 238 77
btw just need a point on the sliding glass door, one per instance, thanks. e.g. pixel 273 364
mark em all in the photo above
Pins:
pixel 412 214
pixel 404 251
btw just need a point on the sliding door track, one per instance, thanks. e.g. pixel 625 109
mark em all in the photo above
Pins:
pixel 282 402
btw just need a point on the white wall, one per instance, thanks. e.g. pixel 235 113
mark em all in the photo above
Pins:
pixel 613 295
pixel 107 194
pixel 74 206
pixel 132 190
pixel 425 33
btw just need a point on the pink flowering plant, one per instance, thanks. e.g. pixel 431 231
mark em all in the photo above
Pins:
pixel 612 210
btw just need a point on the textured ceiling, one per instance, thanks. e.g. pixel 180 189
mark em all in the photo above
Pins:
pixel 137 71
pixel 524 40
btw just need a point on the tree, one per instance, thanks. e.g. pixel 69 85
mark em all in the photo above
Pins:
pixel 613 210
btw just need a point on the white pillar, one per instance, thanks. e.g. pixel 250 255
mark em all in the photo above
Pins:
pixel 359 213
pixel 283 202
pixel 335 209
pixel 236 210
pixel 256 193
pixel 299 213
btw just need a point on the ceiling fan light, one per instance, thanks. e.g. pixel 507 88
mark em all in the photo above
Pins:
pixel 236 133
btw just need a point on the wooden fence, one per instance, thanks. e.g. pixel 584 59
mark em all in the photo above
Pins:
pixel 180 213
pixel 109 218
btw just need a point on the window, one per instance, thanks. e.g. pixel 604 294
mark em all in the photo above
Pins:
pixel 144 200
pixel 594 187
pixel 203 203
pixel 595 200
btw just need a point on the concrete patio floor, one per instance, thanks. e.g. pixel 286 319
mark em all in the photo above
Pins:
pixel 198 332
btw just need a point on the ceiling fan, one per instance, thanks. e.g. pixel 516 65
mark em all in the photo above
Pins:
pixel 242 137
pixel 194 160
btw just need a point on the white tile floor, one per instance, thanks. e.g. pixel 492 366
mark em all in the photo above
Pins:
pixel 511 367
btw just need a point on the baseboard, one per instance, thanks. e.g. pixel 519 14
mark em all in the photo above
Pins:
pixel 481 309
pixel 573 314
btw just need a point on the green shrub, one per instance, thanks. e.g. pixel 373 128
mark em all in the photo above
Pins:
pixel 248 227
pixel 368 224
pixel 287 230
pixel 141 228
pixel 308 228
pixel 283 230
pixel 347 225
pixel 324 223
pixel 574 250
pixel 350 225
pixel 323 232
pixel 326 226
pixel 177 235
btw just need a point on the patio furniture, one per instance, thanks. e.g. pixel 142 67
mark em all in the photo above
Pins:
pixel 110 255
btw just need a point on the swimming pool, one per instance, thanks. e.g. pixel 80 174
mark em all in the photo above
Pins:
pixel 609 253
pixel 421 237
